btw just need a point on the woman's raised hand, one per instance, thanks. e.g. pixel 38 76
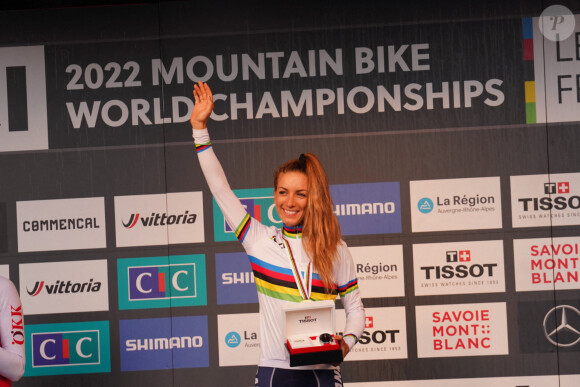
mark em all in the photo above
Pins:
pixel 203 105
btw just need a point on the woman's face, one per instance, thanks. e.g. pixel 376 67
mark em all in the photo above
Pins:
pixel 291 197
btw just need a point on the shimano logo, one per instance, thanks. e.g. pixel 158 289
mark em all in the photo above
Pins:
pixel 163 343
pixel 364 209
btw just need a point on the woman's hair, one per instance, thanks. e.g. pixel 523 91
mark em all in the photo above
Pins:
pixel 321 231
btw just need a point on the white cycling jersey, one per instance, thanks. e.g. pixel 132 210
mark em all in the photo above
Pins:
pixel 270 250
pixel 12 355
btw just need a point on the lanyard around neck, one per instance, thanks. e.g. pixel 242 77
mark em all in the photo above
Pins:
pixel 304 284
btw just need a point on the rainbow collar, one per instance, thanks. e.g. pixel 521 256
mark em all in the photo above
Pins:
pixel 293 232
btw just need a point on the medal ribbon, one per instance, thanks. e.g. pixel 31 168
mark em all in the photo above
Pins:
pixel 303 288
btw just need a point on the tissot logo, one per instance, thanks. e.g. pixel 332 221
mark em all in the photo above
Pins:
pixel 557 188
pixel 545 200
pixel 562 326
pixel 159 282
pixel 459 271
pixel 456 268
pixel 384 336
pixel 68 348
pixel 61 287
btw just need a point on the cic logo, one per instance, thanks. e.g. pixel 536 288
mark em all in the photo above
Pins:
pixel 161 282
pixel 70 348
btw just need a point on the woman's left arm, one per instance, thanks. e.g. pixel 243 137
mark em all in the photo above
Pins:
pixel 345 275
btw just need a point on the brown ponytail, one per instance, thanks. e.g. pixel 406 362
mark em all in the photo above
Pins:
pixel 321 231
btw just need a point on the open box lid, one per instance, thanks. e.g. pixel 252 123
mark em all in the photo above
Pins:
pixel 309 318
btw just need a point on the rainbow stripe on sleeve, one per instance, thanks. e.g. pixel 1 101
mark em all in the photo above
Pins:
pixel 349 287
pixel 278 282
pixel 243 228
pixel 201 147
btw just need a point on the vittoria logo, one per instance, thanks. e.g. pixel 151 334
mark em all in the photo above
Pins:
pixel 63 287
pixel 161 219
pixel 157 219
pixel 68 348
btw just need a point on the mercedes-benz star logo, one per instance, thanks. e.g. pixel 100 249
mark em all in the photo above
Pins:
pixel 562 326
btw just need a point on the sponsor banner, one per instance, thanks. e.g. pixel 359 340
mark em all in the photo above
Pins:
pixel 234 279
pixel 456 204
pixel 239 339
pixel 373 208
pixel 162 282
pixel 64 287
pixel 458 268
pixel 384 336
pixel 68 348
pixel 23 102
pixel 512 381
pixel 462 330
pixel 555 57
pixel 546 264
pixel 5 271
pixel 545 200
pixel 150 220
pixel 379 270
pixel 164 343
pixel 403 76
pixel 259 203
pixel 546 327
pixel 61 224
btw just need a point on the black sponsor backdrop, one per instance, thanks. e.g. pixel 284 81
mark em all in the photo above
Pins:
pixel 476 42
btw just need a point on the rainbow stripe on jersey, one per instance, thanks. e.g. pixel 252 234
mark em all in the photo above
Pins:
pixel 278 282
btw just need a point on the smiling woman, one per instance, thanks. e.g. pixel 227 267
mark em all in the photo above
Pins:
pixel 305 261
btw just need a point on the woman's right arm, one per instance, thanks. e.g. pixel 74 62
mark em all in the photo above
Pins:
pixel 12 356
pixel 234 212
